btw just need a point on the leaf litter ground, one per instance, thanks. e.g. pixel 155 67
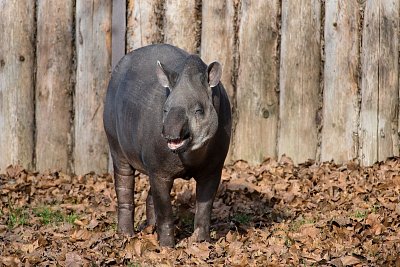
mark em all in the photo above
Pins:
pixel 275 214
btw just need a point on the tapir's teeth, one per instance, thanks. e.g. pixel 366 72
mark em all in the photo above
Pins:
pixel 174 144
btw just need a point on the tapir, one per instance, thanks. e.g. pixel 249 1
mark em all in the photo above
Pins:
pixel 166 115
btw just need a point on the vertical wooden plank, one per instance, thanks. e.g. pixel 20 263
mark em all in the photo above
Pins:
pixel 379 82
pixel 118 31
pixel 388 144
pixel 93 45
pixel 340 104
pixel 369 84
pixel 299 79
pixel 180 24
pixel 53 84
pixel 217 37
pixel 144 19
pixel 255 135
pixel 16 83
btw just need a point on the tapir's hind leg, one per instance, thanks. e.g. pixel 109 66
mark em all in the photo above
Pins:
pixel 124 179
pixel 150 213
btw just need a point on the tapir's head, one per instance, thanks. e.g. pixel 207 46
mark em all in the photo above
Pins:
pixel 190 119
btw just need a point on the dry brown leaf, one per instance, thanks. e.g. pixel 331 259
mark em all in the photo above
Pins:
pixel 310 231
pixel 242 185
pixel 73 259
pixel 350 260
pixel 92 224
pixel 29 248
pixel 199 250
pixel 10 261
pixel 80 235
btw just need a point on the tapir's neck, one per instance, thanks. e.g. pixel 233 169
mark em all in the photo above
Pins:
pixel 194 158
pixel 216 98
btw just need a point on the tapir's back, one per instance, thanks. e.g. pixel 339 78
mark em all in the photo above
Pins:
pixel 134 100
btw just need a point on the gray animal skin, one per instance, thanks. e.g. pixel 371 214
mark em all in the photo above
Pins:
pixel 166 115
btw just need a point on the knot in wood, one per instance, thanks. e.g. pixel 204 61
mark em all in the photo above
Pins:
pixel 265 113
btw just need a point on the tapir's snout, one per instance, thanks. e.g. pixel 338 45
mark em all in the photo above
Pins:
pixel 176 130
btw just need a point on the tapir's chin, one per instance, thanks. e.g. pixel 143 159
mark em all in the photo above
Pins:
pixel 199 143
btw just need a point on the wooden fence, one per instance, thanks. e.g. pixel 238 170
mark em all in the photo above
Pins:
pixel 312 79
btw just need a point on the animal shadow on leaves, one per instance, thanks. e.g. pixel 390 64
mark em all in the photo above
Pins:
pixel 238 206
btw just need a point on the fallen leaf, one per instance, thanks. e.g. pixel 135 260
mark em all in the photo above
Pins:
pixel 29 248
pixel 350 260
pixel 73 259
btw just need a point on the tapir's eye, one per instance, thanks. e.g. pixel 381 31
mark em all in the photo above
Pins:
pixel 199 111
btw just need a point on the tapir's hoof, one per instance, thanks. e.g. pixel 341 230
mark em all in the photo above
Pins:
pixel 125 230
pixel 199 236
pixel 167 242
pixel 127 233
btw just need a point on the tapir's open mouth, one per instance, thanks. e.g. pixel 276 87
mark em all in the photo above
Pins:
pixel 178 145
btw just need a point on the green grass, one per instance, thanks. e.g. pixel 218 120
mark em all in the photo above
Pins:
pixel 241 218
pixel 71 218
pixel 49 216
pixel 363 213
pixel 295 225
pixel 288 242
pixel 360 214
pixel 20 216
pixel 17 217
pixel 375 208
pixel 112 227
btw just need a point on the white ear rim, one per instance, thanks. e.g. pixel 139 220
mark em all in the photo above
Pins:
pixel 162 77
pixel 218 74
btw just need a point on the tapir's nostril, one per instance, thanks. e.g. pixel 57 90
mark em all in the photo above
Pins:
pixel 163 131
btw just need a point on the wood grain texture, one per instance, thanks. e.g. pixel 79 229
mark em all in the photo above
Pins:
pixel 93 45
pixel 340 107
pixel 299 79
pixel 16 83
pixel 180 24
pixel 118 31
pixel 255 136
pixel 370 84
pixel 144 19
pixel 217 35
pixel 53 84
pixel 388 79
pixel 379 84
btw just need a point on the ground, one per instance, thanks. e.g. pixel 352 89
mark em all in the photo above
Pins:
pixel 275 214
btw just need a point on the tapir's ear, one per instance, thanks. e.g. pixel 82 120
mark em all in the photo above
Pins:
pixel 166 77
pixel 214 72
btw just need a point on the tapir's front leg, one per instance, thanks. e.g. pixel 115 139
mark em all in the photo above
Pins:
pixel 206 188
pixel 160 193
pixel 125 189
